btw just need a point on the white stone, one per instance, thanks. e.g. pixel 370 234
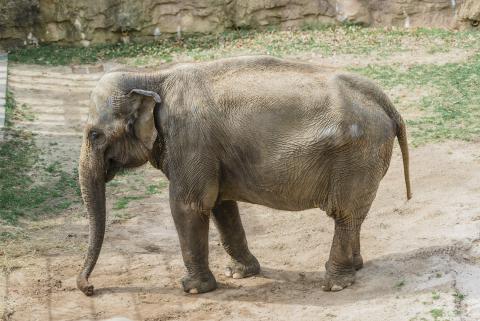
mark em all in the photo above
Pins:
pixel 78 24
pixel 85 43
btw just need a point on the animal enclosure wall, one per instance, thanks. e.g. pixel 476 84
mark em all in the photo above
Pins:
pixel 86 22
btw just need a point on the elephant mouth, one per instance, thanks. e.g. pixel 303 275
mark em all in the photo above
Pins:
pixel 112 168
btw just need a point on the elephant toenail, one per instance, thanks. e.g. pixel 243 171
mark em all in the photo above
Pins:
pixel 193 291
pixel 237 276
pixel 336 287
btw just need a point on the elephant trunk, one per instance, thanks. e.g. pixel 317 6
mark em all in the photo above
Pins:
pixel 92 184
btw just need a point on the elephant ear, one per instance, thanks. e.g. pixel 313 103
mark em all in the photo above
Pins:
pixel 141 121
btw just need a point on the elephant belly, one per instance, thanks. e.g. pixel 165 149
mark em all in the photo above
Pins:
pixel 281 182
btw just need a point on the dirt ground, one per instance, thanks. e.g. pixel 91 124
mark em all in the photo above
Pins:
pixel 422 257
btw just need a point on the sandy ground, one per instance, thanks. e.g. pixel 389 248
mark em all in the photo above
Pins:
pixel 421 257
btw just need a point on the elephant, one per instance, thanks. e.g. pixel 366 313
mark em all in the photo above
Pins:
pixel 279 133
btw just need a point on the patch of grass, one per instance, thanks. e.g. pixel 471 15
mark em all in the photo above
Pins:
pixel 400 284
pixel 459 297
pixel 452 111
pixel 52 167
pixel 11 235
pixel 436 313
pixel 318 38
pixel 9 107
pixel 123 201
pixel 152 189
pixel 121 216
pixel 14 112
pixel 435 295
pixel 156 188
pixel 29 188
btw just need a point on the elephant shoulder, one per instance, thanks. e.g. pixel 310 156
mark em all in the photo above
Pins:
pixel 187 88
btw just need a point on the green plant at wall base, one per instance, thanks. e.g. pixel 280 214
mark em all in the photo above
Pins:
pixel 452 111
pixel 322 39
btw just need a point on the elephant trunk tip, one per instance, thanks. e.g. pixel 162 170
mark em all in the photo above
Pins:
pixel 84 286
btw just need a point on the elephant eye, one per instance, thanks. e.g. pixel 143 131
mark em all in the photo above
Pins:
pixel 129 127
pixel 95 135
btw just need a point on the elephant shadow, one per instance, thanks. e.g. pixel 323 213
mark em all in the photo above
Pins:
pixel 387 275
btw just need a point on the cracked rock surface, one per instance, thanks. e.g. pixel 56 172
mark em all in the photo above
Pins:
pixel 86 22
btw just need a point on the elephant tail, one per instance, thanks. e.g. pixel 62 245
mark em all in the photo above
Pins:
pixel 402 141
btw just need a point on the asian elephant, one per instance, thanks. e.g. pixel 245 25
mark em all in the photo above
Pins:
pixel 283 134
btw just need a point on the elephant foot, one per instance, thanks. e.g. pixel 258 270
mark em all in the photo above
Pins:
pixel 238 270
pixel 357 262
pixel 338 280
pixel 199 283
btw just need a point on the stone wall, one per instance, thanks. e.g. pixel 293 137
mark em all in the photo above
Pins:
pixel 85 22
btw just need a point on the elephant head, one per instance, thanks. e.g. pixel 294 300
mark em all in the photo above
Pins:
pixel 120 133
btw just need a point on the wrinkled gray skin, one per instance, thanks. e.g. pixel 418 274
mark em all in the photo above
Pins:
pixel 286 135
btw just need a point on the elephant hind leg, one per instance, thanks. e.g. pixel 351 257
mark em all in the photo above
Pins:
pixel 345 257
pixel 227 219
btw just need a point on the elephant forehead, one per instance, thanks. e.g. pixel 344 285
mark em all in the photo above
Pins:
pixel 100 115
pixel 101 97
pixel 102 101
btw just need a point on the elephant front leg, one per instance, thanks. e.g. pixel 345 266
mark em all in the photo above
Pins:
pixel 227 219
pixel 344 256
pixel 192 227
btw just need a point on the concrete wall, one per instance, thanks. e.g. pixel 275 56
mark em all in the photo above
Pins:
pixel 85 22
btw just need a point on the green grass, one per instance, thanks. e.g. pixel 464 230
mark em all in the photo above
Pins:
pixel 29 188
pixel 14 112
pixel 322 39
pixel 122 202
pixel 452 108
pixel 436 313
pixel 156 188
pixel 400 284
pixel 459 297
pixel 11 235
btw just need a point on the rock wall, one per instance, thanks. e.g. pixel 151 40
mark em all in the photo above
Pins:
pixel 85 22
